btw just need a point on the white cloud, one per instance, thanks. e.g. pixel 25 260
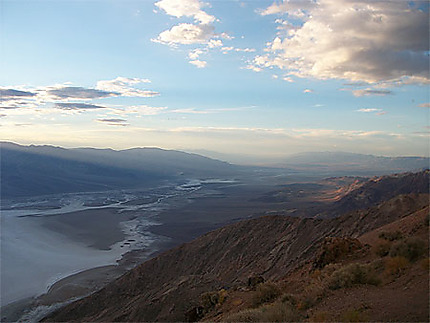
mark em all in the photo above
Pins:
pixel 186 34
pixel 294 8
pixel 186 8
pixel 369 110
pixel 198 63
pixel 253 68
pixel 308 91
pixel 356 40
pixel 123 87
pixel 194 54
pixel 213 43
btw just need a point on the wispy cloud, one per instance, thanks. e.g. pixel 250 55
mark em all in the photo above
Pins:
pixel 78 106
pixel 190 111
pixel 8 94
pixel 369 110
pixel 123 86
pixel 369 92
pixel 114 121
pixel 76 93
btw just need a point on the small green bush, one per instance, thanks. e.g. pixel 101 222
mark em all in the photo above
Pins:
pixel 265 293
pixel 353 274
pixel 412 249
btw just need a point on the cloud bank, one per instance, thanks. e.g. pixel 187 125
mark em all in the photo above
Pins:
pixel 59 95
pixel 355 40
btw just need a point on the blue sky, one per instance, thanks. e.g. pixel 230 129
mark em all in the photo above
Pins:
pixel 253 80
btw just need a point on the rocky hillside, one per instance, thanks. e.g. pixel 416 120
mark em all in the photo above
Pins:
pixel 193 281
pixel 380 189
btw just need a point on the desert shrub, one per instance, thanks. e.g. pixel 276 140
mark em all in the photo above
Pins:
pixel 382 249
pixel 279 312
pixel 276 312
pixel 265 293
pixel 312 294
pixel 248 315
pixel 209 300
pixel 334 249
pixel 253 281
pixel 391 236
pixel 289 298
pixel 353 274
pixel 212 299
pixel 412 249
pixel 396 265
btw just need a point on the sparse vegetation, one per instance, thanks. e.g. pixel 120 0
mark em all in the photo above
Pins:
pixel 391 236
pixel 382 249
pixel 396 265
pixel 412 249
pixel 212 299
pixel 353 274
pixel 265 293
pixel 276 312
pixel 334 249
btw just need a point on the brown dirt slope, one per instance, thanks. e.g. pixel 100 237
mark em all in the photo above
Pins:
pixel 167 287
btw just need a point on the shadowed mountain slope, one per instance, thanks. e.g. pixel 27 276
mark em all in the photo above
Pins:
pixel 41 170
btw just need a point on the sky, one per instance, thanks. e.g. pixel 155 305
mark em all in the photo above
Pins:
pixel 254 81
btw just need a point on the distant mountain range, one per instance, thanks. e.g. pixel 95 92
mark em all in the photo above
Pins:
pixel 40 170
pixel 350 163
pixel 329 162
